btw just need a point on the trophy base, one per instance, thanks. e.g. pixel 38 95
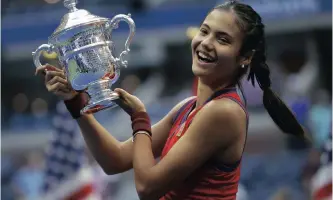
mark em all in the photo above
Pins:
pixel 106 103
pixel 101 96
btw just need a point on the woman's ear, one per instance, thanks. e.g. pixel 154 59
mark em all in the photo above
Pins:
pixel 247 58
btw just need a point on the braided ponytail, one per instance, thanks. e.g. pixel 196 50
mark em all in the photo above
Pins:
pixel 276 108
pixel 251 24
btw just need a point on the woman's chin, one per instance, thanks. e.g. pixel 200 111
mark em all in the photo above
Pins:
pixel 197 71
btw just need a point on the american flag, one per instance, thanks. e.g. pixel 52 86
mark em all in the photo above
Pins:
pixel 67 173
pixel 322 180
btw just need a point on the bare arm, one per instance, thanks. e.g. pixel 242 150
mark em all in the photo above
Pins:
pixel 114 156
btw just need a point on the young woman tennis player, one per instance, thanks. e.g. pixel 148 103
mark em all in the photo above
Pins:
pixel 201 140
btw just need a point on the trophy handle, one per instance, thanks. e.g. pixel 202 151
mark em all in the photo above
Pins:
pixel 113 25
pixel 38 52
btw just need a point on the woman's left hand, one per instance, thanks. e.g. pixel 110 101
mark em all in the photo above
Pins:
pixel 129 103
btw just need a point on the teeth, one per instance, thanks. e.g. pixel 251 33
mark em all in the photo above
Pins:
pixel 205 57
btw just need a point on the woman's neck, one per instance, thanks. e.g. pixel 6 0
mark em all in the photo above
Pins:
pixel 204 91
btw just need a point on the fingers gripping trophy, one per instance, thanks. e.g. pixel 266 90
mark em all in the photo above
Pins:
pixel 85 50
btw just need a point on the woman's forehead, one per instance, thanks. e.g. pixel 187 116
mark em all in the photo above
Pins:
pixel 223 21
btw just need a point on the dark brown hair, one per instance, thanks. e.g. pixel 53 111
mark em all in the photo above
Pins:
pixel 249 21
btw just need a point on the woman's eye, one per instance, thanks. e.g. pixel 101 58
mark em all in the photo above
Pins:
pixel 223 40
pixel 203 31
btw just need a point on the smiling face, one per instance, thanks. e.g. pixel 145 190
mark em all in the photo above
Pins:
pixel 216 47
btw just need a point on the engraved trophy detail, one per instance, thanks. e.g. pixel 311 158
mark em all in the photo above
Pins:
pixel 84 47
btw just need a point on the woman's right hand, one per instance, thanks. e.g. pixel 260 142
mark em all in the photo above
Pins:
pixel 56 82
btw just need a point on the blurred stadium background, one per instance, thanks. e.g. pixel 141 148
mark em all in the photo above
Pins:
pixel 299 34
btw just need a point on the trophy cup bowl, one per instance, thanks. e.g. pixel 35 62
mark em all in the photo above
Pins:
pixel 84 47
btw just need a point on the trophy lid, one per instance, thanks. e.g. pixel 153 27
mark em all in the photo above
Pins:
pixel 76 17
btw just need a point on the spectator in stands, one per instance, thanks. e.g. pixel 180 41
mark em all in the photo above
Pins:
pixel 28 180
pixel 320 117
pixel 301 72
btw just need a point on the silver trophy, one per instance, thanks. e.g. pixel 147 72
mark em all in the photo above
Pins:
pixel 83 43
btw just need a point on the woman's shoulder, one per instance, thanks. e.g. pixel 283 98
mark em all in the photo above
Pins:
pixel 222 118
pixel 225 108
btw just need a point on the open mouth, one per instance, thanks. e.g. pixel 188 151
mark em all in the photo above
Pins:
pixel 205 57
